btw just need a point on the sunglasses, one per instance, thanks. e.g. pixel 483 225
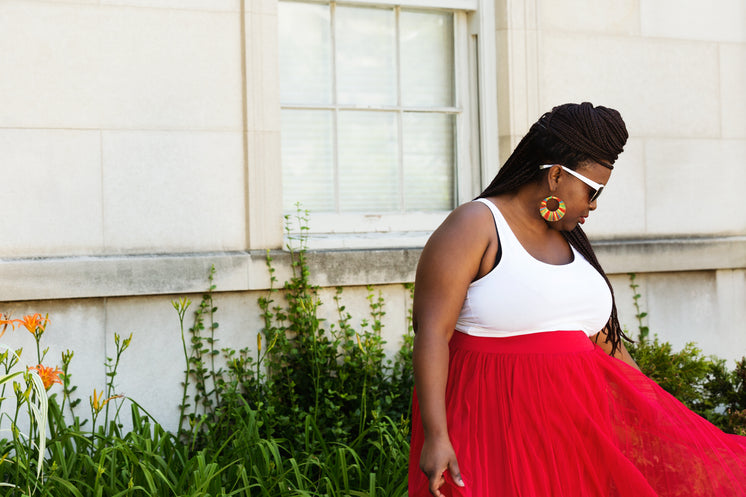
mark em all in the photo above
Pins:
pixel 596 188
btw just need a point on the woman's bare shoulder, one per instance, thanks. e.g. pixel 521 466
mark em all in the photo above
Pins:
pixel 451 260
pixel 470 218
pixel 465 231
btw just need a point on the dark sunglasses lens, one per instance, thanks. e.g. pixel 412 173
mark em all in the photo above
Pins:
pixel 595 194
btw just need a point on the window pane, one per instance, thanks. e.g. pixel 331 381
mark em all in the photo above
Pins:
pixel 305 53
pixel 428 161
pixel 427 59
pixel 366 56
pixel 368 165
pixel 307 160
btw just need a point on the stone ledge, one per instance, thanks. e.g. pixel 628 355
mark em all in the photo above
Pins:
pixel 128 275
pixel 670 255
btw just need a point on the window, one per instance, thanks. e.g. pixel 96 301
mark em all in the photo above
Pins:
pixel 375 115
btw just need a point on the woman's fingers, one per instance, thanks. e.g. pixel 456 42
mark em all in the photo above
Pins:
pixel 437 478
pixel 436 481
pixel 456 473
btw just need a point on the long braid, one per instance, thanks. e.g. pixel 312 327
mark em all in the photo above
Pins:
pixel 569 135
pixel 579 240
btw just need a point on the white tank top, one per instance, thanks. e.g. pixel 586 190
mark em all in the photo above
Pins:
pixel 523 295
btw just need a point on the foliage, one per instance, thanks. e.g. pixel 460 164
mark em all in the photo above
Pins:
pixel 319 390
pixel 701 382
pixel 29 389
pixel 319 410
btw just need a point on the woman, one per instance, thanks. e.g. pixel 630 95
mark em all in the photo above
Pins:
pixel 523 386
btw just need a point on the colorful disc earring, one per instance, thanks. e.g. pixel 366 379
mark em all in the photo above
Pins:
pixel 552 208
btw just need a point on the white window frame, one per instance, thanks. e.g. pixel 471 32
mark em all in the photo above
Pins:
pixel 476 138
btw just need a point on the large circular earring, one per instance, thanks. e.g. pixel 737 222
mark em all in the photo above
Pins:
pixel 552 208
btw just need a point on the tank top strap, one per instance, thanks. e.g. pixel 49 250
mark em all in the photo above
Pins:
pixel 505 235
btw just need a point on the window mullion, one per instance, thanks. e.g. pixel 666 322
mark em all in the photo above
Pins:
pixel 335 106
pixel 474 123
pixel 375 108
pixel 462 188
pixel 399 120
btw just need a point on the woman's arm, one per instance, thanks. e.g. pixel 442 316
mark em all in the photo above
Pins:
pixel 621 351
pixel 449 262
pixel 431 373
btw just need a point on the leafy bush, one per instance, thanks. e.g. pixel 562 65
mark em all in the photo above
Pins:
pixel 317 411
pixel 325 394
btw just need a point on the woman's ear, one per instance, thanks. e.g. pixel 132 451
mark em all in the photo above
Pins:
pixel 553 177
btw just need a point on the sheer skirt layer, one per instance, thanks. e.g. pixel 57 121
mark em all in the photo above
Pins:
pixel 551 414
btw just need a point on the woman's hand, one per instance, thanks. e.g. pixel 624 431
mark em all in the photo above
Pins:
pixel 436 458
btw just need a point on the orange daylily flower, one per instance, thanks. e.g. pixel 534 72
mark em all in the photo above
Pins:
pixel 48 376
pixel 5 321
pixel 34 323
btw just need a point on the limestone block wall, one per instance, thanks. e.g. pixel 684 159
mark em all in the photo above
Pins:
pixel 136 136
pixel 129 122
pixel 126 124
pixel 152 369
pixel 676 70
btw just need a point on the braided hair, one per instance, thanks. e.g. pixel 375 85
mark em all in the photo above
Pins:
pixel 571 134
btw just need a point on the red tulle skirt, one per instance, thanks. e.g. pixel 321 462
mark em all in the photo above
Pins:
pixel 551 414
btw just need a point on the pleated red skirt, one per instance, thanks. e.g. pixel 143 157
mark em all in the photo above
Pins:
pixel 551 414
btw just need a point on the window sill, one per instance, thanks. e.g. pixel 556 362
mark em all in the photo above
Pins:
pixel 363 241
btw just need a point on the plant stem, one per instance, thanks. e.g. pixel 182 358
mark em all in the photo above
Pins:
pixel 181 307
pixel 643 330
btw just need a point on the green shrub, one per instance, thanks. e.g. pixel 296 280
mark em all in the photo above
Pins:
pixel 318 410
pixel 701 382
pixel 335 407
